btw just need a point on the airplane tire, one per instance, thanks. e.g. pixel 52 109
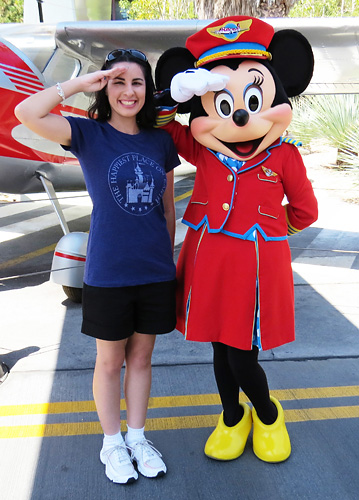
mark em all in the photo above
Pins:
pixel 74 294
pixel 4 372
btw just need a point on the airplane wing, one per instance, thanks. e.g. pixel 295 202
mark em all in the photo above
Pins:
pixel 34 57
pixel 335 43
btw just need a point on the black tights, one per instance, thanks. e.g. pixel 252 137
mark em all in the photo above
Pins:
pixel 235 369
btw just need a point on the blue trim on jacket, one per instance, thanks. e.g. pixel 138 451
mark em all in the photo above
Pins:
pixel 251 233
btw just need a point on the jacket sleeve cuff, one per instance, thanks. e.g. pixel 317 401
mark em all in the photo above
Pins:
pixel 165 115
pixel 290 228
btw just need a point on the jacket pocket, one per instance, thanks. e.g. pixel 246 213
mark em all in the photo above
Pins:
pixel 268 212
pixel 194 202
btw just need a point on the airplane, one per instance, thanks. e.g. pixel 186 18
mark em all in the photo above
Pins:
pixel 33 57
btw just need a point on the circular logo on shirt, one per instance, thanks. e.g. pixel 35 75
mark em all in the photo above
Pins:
pixel 137 183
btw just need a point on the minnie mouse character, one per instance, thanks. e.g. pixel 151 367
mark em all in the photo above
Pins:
pixel 235 282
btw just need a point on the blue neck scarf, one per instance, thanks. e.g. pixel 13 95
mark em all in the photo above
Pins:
pixel 230 162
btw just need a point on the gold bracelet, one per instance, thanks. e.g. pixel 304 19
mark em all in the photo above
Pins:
pixel 60 91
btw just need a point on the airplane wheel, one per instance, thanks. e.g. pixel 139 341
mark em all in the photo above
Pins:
pixel 74 294
pixel 4 372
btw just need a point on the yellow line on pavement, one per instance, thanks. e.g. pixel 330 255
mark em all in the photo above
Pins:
pixel 201 421
pixel 177 401
pixel 316 392
pixel 51 430
pixel 168 423
pixel 48 408
pixel 183 196
pixel 281 394
pixel 27 256
pixel 331 413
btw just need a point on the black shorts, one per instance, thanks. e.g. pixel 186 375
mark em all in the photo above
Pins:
pixel 116 313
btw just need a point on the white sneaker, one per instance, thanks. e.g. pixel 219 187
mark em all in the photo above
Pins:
pixel 148 459
pixel 119 467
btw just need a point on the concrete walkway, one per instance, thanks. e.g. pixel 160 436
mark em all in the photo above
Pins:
pixel 49 431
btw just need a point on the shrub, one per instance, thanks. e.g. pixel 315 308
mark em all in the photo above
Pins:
pixel 331 118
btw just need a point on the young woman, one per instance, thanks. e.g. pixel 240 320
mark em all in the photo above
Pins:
pixel 129 282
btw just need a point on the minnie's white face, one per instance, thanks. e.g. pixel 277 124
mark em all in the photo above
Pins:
pixel 241 122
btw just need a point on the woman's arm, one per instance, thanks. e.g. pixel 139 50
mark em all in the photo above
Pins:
pixel 169 207
pixel 35 111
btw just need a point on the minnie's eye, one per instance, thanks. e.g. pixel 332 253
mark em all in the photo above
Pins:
pixel 253 99
pixel 223 103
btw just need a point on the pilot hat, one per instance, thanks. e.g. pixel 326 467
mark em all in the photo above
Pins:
pixel 231 37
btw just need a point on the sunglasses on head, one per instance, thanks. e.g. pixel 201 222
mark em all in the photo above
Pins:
pixel 117 53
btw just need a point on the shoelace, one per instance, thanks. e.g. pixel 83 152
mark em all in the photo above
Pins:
pixel 122 455
pixel 148 450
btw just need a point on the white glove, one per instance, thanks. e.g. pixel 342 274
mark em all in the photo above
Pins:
pixel 196 82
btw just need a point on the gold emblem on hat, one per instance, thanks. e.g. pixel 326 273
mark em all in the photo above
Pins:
pixel 230 31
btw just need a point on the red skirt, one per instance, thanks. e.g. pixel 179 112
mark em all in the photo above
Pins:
pixel 224 281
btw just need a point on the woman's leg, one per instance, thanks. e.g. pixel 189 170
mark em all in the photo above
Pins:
pixel 137 387
pixel 137 350
pixel 137 382
pixel 107 383
pixel 107 394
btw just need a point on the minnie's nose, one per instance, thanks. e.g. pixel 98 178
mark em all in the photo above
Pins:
pixel 240 117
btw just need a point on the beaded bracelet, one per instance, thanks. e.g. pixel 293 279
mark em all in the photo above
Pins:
pixel 60 91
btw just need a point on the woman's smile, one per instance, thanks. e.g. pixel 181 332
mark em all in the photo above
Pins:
pixel 127 102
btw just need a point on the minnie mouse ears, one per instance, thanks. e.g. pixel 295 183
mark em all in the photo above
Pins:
pixel 171 62
pixel 292 60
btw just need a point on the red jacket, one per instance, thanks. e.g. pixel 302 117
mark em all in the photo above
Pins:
pixel 234 269
pixel 236 204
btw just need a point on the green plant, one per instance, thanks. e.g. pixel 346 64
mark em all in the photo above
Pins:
pixel 324 8
pixel 153 9
pixel 11 11
pixel 348 154
pixel 331 118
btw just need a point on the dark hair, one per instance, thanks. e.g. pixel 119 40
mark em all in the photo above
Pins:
pixel 100 109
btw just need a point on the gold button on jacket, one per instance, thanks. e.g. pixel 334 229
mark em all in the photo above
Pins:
pixel 225 207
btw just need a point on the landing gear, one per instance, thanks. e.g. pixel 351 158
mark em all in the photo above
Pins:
pixel 69 258
pixel 74 294
pixel 4 372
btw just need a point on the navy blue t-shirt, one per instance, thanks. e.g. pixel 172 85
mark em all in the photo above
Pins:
pixel 125 176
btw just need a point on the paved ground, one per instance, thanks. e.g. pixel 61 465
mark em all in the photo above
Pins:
pixel 49 433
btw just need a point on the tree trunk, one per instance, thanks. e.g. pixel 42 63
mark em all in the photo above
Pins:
pixel 255 8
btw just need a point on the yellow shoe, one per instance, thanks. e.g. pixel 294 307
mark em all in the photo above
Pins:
pixel 227 443
pixel 271 443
